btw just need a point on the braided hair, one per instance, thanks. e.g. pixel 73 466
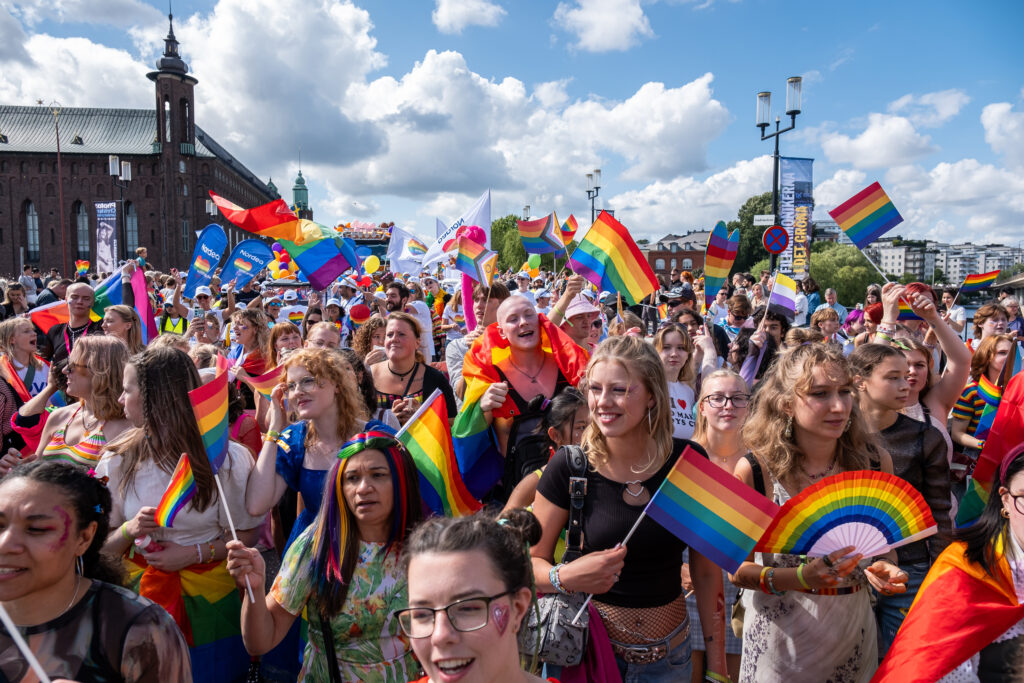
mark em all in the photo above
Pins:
pixel 91 502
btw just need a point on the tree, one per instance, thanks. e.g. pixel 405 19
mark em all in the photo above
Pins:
pixel 505 240
pixel 939 277
pixel 751 249
pixel 839 266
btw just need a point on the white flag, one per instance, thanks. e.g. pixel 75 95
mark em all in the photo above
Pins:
pixel 402 259
pixel 479 214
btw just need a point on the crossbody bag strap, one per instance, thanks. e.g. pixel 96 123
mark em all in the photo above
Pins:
pixel 332 657
pixel 577 494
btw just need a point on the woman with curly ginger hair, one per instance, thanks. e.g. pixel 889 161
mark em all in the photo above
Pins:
pixel 809 620
pixel 368 340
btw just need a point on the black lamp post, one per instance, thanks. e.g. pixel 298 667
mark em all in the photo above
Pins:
pixel 593 189
pixel 55 108
pixel 121 171
pixel 794 86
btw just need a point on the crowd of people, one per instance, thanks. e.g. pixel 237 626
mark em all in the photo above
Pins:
pixel 310 555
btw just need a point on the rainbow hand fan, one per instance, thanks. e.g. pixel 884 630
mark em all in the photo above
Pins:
pixel 871 511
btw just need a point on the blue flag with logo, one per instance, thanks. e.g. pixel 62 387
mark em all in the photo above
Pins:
pixel 245 260
pixel 208 252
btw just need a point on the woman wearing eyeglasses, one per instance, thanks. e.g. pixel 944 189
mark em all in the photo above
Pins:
pixel 470 584
pixel 344 570
pixel 721 411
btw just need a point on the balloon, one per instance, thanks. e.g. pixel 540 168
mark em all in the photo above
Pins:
pixel 534 261
pixel 534 272
pixel 474 232
pixel 277 247
pixel 366 281
pixel 283 257
pixel 371 264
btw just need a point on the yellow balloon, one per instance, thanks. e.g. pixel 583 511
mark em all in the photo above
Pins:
pixel 371 264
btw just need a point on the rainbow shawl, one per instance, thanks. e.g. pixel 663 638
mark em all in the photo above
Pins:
pixel 204 602
pixel 476 448
pixel 959 610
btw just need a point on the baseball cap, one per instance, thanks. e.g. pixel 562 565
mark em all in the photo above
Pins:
pixel 683 292
pixel 333 302
pixel 349 282
pixel 542 294
pixel 203 289
pixel 291 295
pixel 522 274
pixel 579 306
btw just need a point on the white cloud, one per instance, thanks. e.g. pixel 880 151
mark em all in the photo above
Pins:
pixel 452 16
pixel 931 109
pixel 552 94
pixel 887 141
pixel 1004 131
pixel 12 38
pixel 119 13
pixel 830 193
pixel 604 25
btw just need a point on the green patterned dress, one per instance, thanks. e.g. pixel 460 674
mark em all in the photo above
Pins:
pixel 367 640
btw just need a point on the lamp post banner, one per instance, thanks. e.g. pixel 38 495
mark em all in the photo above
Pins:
pixel 796 206
pixel 106 236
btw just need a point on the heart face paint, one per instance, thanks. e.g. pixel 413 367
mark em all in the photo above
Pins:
pixel 500 616
pixel 66 519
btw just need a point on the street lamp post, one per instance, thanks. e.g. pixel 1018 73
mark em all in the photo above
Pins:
pixel 593 189
pixel 55 110
pixel 526 212
pixel 121 171
pixel 794 87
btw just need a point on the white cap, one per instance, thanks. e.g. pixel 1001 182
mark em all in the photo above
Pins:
pixel 291 295
pixel 333 302
pixel 203 289
pixel 522 274
pixel 380 295
pixel 350 283
pixel 543 294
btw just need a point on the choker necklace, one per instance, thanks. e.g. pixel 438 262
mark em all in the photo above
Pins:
pixel 533 377
pixel 822 475
pixel 400 374
pixel 635 482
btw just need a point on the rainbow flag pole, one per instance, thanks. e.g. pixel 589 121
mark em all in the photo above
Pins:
pixel 231 526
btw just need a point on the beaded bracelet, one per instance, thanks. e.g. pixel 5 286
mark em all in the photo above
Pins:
pixel 213 552
pixel 800 576
pixel 761 583
pixel 715 677
pixel 555 583
pixel 770 580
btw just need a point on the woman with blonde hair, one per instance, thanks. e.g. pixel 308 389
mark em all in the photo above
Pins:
pixel 23 375
pixel 673 344
pixel 123 322
pixel 637 594
pixel 809 620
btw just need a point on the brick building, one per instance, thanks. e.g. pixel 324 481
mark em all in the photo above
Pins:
pixel 47 215
pixel 685 252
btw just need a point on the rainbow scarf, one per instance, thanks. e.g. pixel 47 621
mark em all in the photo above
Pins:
pixel 476 448
pixel 959 610
pixel 10 375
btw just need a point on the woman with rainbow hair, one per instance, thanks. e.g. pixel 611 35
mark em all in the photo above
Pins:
pixel 344 570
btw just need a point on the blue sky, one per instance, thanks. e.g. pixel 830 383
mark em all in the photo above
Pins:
pixel 409 109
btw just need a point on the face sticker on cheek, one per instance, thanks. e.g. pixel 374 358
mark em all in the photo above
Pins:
pixel 500 615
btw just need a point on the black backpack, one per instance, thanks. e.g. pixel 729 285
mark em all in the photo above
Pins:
pixel 529 448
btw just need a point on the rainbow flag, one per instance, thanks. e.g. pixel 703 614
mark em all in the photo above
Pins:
pixel 991 394
pixel 274 220
pixel 867 215
pixel 541 236
pixel 210 406
pixel 81 267
pixel 428 438
pixel 476 261
pixel 719 256
pixel 959 609
pixel 179 492
pixel 783 294
pixel 266 382
pixel 111 293
pixel 906 312
pixel 662 312
pixel 978 281
pixel 609 258
pixel 415 247
pixel 712 511
pixel 568 229
pixel 476 450
pixel 46 316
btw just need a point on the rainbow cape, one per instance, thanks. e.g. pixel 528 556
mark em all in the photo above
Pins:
pixel 541 236
pixel 179 492
pixel 719 256
pixel 608 257
pixel 867 215
pixel 210 406
pixel 712 511
pixel 428 438
pixel 978 281
pixel 476 261
pixel 959 610
pixel 476 448
pixel 266 382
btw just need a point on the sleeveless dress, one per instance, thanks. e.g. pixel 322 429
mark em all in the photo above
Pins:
pixel 85 453
pixel 801 636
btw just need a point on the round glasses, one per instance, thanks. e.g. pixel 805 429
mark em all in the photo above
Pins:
pixel 719 400
pixel 305 385
pixel 469 614
pixel 1016 501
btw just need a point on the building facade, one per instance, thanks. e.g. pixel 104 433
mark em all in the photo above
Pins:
pixel 47 200
pixel 685 252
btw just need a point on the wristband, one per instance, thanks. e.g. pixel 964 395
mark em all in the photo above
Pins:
pixel 761 584
pixel 715 677
pixel 800 576
pixel 271 435
pixel 555 583
pixel 199 554
pixel 770 580
pixel 124 532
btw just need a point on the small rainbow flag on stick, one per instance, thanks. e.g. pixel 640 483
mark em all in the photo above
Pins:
pixel 266 382
pixel 541 236
pixel 568 229
pixel 210 406
pixel 978 281
pixel 179 492
pixel 476 261
pixel 81 267
pixel 867 215
pixel 906 312
pixel 608 257
pixel 428 438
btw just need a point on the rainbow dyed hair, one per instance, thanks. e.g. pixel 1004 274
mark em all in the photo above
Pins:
pixel 335 538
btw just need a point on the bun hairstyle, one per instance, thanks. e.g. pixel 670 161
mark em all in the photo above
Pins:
pixel 91 502
pixel 504 539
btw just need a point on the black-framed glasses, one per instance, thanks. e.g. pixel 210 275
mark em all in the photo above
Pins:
pixel 1016 501
pixel 720 400
pixel 468 614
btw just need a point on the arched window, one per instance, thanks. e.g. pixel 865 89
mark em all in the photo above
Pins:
pixel 184 189
pixel 31 232
pixel 167 120
pixel 81 219
pixel 131 226
pixel 659 264
pixel 687 263
pixel 186 120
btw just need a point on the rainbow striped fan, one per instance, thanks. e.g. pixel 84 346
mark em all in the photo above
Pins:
pixel 871 511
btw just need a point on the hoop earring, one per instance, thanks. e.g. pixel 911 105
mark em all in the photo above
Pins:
pixel 80 566
pixel 788 432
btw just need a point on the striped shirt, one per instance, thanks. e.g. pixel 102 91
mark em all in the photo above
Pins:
pixel 969 407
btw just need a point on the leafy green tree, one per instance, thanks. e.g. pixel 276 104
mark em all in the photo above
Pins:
pixel 939 277
pixel 751 250
pixel 505 240
pixel 841 267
